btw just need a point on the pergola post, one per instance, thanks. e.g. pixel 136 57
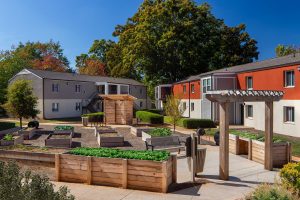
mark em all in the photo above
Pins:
pixel 268 135
pixel 224 141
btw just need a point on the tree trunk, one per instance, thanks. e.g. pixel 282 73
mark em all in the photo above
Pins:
pixel 21 122
pixel 174 126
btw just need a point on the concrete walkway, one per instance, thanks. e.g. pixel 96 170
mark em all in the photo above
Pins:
pixel 244 175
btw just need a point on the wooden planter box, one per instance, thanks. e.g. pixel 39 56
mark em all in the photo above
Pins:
pixel 104 129
pixel 145 135
pixel 238 145
pixel 137 131
pixel 28 132
pixel 18 139
pixel 59 142
pixel 110 140
pixel 68 132
pixel 29 156
pixel 126 173
pixel 281 153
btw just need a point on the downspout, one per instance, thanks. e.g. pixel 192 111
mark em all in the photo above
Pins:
pixel 43 99
pixel 189 99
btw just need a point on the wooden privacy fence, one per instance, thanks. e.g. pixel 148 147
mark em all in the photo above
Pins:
pixel 126 173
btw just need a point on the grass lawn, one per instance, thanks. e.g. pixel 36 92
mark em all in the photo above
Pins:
pixel 293 140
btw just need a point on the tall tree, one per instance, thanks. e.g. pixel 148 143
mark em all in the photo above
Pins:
pixel 174 109
pixel 284 50
pixel 21 102
pixel 36 55
pixel 95 62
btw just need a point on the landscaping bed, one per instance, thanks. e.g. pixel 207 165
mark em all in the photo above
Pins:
pixel 59 140
pixel 142 170
pixel 92 118
pixel 28 132
pixel 64 130
pixel 11 139
pixel 112 139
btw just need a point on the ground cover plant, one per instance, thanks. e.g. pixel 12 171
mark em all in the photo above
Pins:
pixel 63 128
pixel 7 125
pixel 118 153
pixel 160 132
pixel 8 137
pixel 27 186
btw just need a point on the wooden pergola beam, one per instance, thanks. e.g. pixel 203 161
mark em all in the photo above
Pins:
pixel 224 141
pixel 269 135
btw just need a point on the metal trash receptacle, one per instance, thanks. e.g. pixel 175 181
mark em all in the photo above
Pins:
pixel 200 160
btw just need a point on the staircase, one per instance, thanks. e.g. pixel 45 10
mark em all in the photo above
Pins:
pixel 88 104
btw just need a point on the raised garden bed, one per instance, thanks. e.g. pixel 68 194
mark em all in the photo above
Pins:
pixel 123 172
pixel 64 130
pixel 59 140
pixel 157 132
pixel 11 139
pixel 28 132
pixel 104 129
pixel 112 139
pixel 238 145
pixel 137 129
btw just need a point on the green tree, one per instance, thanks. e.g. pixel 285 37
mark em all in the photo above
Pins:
pixel 27 186
pixel 21 102
pixel 174 109
pixel 284 50
pixel 36 55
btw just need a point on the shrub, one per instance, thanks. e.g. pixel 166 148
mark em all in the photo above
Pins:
pixel 34 124
pixel 197 123
pixel 7 125
pixel 17 185
pixel 119 153
pixel 8 137
pixel 160 132
pixel 63 128
pixel 290 176
pixel 270 192
pixel 150 117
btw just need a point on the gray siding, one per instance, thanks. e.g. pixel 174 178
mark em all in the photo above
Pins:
pixel 36 82
pixel 67 89
pixel 139 92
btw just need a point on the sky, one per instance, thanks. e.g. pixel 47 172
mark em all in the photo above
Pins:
pixel 77 23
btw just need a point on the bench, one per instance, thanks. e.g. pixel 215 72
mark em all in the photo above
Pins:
pixel 165 143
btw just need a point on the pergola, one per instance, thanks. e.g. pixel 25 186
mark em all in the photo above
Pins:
pixel 224 97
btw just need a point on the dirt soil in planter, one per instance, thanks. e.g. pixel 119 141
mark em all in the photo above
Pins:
pixel 56 136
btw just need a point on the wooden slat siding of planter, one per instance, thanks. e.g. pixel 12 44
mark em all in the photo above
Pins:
pixel 137 131
pixel 233 144
pixel 243 144
pixel 281 153
pixel 126 173
pixel 250 150
pixel 29 156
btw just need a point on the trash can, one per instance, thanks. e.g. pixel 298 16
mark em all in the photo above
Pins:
pixel 200 160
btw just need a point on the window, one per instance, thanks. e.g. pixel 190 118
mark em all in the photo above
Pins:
pixel 141 91
pixel 249 111
pixel 289 79
pixel 184 89
pixel 192 106
pixel 289 114
pixel 55 107
pixel 78 106
pixel 141 104
pixel 192 88
pixel 77 88
pixel 184 105
pixel 249 82
pixel 55 87
pixel 206 85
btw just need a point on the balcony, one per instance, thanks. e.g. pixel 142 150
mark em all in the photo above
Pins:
pixel 107 88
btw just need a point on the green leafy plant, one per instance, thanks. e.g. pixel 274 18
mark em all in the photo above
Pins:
pixel 271 192
pixel 8 137
pixel 160 132
pixel 118 153
pixel 63 128
pixel 150 117
pixel 290 176
pixel 17 185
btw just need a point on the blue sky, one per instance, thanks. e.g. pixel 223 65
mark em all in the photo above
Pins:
pixel 77 23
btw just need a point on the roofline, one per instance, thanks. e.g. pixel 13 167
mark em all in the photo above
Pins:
pixel 26 71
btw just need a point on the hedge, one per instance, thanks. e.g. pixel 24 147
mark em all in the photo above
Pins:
pixel 120 153
pixel 191 123
pixel 94 117
pixel 156 111
pixel 150 117
pixel 7 125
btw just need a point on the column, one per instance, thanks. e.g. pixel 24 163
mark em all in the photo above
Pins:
pixel 224 141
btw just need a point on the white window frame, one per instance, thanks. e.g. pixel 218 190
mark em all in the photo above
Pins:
pixel 206 84
pixel 78 88
pixel 184 106
pixel 55 87
pixel 192 106
pixel 77 106
pixel 55 107
pixel 247 111
pixel 192 88
pixel 247 83
pixel 286 84
pixel 288 114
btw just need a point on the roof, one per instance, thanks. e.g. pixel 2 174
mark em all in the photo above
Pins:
pixel 81 77
pixel 244 95
pixel 118 97
pixel 292 59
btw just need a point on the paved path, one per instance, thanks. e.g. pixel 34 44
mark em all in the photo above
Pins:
pixel 244 175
